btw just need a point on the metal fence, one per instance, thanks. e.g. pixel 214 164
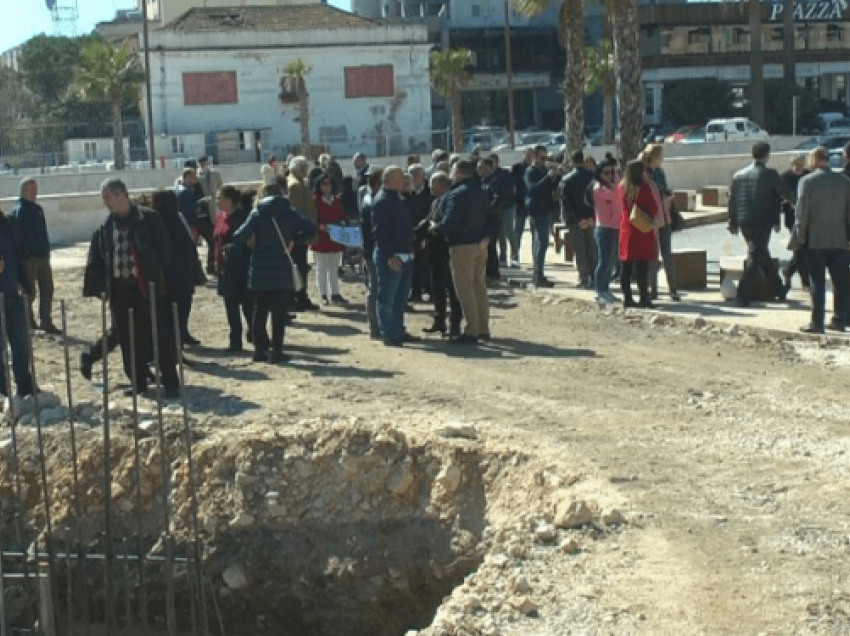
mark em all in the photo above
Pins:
pixel 117 572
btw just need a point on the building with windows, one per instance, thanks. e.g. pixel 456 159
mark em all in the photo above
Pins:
pixel 222 72
pixel 690 40
pixel 11 58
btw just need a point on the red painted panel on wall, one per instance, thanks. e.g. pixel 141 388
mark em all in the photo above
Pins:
pixel 369 81
pixel 209 88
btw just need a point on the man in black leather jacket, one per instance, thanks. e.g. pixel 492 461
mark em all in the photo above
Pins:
pixel 579 217
pixel 755 199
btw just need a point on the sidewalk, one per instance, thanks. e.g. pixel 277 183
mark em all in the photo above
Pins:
pixel 783 319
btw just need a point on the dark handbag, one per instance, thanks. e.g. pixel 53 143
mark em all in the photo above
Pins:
pixel 677 221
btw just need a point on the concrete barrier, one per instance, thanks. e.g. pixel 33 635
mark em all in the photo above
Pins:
pixel 691 269
pixel 685 200
pixel 714 196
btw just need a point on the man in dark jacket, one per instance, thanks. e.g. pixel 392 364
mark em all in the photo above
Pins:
pixel 393 256
pixel 465 226
pixel 12 277
pixel 29 216
pixel 188 194
pixel 493 189
pixel 520 213
pixel 507 235
pixel 418 205
pixel 578 216
pixel 754 206
pixel 373 187
pixel 539 187
pixel 800 261
pixel 134 252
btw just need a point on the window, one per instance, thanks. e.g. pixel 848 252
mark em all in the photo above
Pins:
pixel 177 146
pixel 369 81
pixel 649 101
pixel 201 89
pixel 288 89
pixel 714 128
pixel 476 10
pixel 752 128
pixel 739 126
pixel 90 149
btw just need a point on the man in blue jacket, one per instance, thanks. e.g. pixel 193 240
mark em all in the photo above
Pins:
pixel 539 187
pixel 392 231
pixel 465 226
pixel 29 216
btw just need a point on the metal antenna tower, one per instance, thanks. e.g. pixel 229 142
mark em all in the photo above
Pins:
pixel 65 15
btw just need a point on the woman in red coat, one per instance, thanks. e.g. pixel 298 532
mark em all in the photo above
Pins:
pixel 325 251
pixel 637 249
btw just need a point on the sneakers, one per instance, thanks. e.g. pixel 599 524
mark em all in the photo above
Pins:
pixel 338 299
pixel 542 281
pixel 325 301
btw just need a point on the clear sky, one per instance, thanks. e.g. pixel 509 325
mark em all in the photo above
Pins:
pixel 23 19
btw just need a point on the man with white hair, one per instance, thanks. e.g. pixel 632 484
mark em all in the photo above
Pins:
pixel 418 206
pixel 301 198
pixel 29 216
pixel 361 169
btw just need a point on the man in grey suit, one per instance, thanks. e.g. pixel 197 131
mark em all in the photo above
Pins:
pixel 823 225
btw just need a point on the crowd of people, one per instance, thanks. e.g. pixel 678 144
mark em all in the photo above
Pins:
pixel 444 232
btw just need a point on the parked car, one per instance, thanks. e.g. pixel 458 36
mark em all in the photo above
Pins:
pixel 696 137
pixel 593 134
pixel 680 133
pixel 830 142
pixel 484 136
pixel 837 127
pixel 733 129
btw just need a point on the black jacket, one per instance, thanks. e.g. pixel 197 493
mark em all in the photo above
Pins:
pixel 518 174
pixel 181 271
pixel 32 225
pixel 573 194
pixel 150 249
pixel 418 204
pixel 755 196
pixel 539 188
pixel 792 180
pixel 233 277
pixel 465 220
pixel 13 259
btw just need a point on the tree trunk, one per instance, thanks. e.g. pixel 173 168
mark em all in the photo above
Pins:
pixel 457 124
pixel 789 72
pixel 609 92
pixel 117 128
pixel 629 90
pixel 574 74
pixel 304 115
pixel 756 65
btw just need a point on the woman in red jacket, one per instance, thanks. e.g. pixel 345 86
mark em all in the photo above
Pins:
pixel 637 249
pixel 325 252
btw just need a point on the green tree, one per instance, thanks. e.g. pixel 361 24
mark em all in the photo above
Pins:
pixel 698 100
pixel 756 64
pixel 571 37
pixel 298 71
pixel 48 64
pixel 601 75
pixel 450 71
pixel 779 117
pixel 112 74
pixel 16 104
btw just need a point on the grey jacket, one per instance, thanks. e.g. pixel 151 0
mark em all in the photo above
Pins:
pixel 823 211
pixel 756 195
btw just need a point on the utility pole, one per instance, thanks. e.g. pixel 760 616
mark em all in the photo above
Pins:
pixel 149 100
pixel 509 71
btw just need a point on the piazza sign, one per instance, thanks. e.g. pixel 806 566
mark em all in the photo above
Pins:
pixel 820 11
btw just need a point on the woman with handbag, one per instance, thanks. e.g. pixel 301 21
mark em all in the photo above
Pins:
pixel 638 240
pixel 232 260
pixel 326 253
pixel 652 157
pixel 271 230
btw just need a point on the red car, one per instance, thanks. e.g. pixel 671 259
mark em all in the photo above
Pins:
pixel 680 134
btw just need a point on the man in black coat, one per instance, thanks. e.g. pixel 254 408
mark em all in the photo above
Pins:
pixel 134 251
pixel 492 187
pixel 418 205
pixel 579 217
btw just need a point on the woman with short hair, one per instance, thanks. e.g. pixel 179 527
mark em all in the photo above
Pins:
pixel 326 253
pixel 232 260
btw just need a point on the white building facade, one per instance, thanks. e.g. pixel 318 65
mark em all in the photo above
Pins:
pixel 221 73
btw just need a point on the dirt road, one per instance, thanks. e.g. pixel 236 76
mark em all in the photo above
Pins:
pixel 727 452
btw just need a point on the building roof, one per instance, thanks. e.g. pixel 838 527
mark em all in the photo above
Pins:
pixel 299 17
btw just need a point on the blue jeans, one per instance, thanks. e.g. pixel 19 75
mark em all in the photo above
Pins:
pixel 507 238
pixel 837 261
pixel 607 239
pixel 393 290
pixel 520 215
pixel 540 228
pixel 16 332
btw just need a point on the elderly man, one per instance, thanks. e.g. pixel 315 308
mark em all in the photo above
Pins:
pixel 211 182
pixel 29 216
pixel 361 170
pixel 418 200
pixel 393 257
pixel 300 197
pixel 754 206
pixel 465 226
pixel 133 252
pixel 822 224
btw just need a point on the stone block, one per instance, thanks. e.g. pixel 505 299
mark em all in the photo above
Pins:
pixel 762 288
pixel 685 200
pixel 562 241
pixel 715 196
pixel 691 269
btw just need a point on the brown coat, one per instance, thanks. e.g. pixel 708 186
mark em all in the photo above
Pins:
pixel 301 199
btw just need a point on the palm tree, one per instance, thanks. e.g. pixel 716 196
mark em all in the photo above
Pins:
pixel 571 38
pixel 624 17
pixel 756 65
pixel 449 71
pixel 601 74
pixel 107 73
pixel 299 70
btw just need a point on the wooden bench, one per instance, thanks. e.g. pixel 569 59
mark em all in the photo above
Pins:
pixel 685 200
pixel 691 269
pixel 715 196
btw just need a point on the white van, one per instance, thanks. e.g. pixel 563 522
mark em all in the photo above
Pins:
pixel 733 129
